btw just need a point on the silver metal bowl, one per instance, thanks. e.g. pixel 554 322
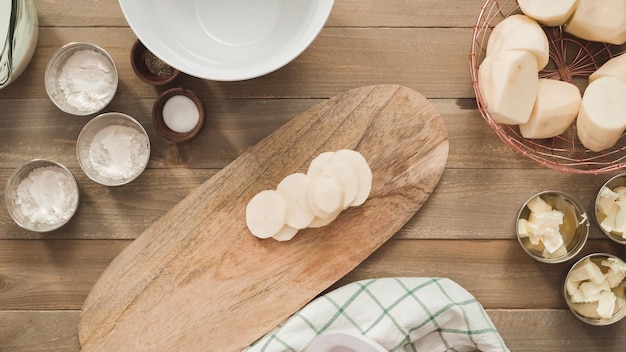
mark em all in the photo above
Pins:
pixel 113 149
pixel 41 195
pixel 92 88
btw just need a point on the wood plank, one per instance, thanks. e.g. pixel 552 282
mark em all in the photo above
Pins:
pixel 547 330
pixel 494 196
pixel 433 61
pixel 34 128
pixel 58 274
pixel 346 13
pixel 537 330
pixel 39 331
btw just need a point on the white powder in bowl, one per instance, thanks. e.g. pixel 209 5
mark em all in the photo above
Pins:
pixel 119 153
pixel 47 196
pixel 87 80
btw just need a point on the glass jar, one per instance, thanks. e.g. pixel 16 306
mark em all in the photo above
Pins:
pixel 19 31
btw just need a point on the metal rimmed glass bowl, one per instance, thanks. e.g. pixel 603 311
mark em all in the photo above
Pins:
pixel 41 195
pixel 571 60
pixel 104 149
pixel 574 230
pixel 586 311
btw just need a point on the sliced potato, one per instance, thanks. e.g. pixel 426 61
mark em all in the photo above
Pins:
pixel 348 178
pixel 317 165
pixel 549 12
pixel 286 233
pixel 325 197
pixel 602 117
pixel 266 213
pixel 520 32
pixel 362 171
pixel 319 222
pixel 294 188
pixel 555 109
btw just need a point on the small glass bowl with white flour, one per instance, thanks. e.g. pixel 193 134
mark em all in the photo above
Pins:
pixel 41 195
pixel 113 149
pixel 81 78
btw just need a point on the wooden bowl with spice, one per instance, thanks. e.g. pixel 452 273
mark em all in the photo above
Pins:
pixel 178 115
pixel 149 67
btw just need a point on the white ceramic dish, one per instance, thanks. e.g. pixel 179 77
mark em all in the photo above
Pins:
pixel 226 40
pixel 343 342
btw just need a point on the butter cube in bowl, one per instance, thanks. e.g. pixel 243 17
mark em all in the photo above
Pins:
pixel 552 227
pixel 595 288
pixel 610 208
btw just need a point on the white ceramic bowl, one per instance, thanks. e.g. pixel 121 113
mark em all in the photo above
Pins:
pixel 41 195
pixel 113 149
pixel 226 40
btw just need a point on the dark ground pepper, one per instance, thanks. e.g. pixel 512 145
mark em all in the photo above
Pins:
pixel 156 66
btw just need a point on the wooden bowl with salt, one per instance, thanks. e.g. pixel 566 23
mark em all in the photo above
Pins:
pixel 178 114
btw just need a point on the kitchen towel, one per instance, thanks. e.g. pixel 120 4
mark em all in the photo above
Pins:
pixel 401 314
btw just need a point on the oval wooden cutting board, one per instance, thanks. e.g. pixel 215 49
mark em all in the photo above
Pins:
pixel 197 280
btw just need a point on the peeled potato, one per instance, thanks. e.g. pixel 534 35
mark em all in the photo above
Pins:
pixel 599 21
pixel 294 188
pixel 548 12
pixel 334 181
pixel 615 67
pixel 325 197
pixel 520 32
pixel 555 109
pixel 362 170
pixel 508 83
pixel 347 178
pixel 602 117
pixel 266 213
pixel 317 165
pixel 285 234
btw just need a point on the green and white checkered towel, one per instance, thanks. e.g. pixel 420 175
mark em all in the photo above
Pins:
pixel 401 314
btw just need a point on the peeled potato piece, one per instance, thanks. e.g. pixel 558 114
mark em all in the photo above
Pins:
pixel 520 32
pixel 325 197
pixel 555 109
pixel 615 67
pixel 548 12
pixel 294 188
pixel 266 213
pixel 321 222
pixel 347 178
pixel 602 117
pixel 508 83
pixel 317 165
pixel 285 234
pixel 599 21
pixel 362 170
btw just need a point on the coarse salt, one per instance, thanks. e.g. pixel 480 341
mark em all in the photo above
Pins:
pixel 180 114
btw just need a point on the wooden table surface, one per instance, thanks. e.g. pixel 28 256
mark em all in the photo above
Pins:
pixel 464 232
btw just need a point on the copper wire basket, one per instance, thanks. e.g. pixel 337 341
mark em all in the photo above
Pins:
pixel 571 60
